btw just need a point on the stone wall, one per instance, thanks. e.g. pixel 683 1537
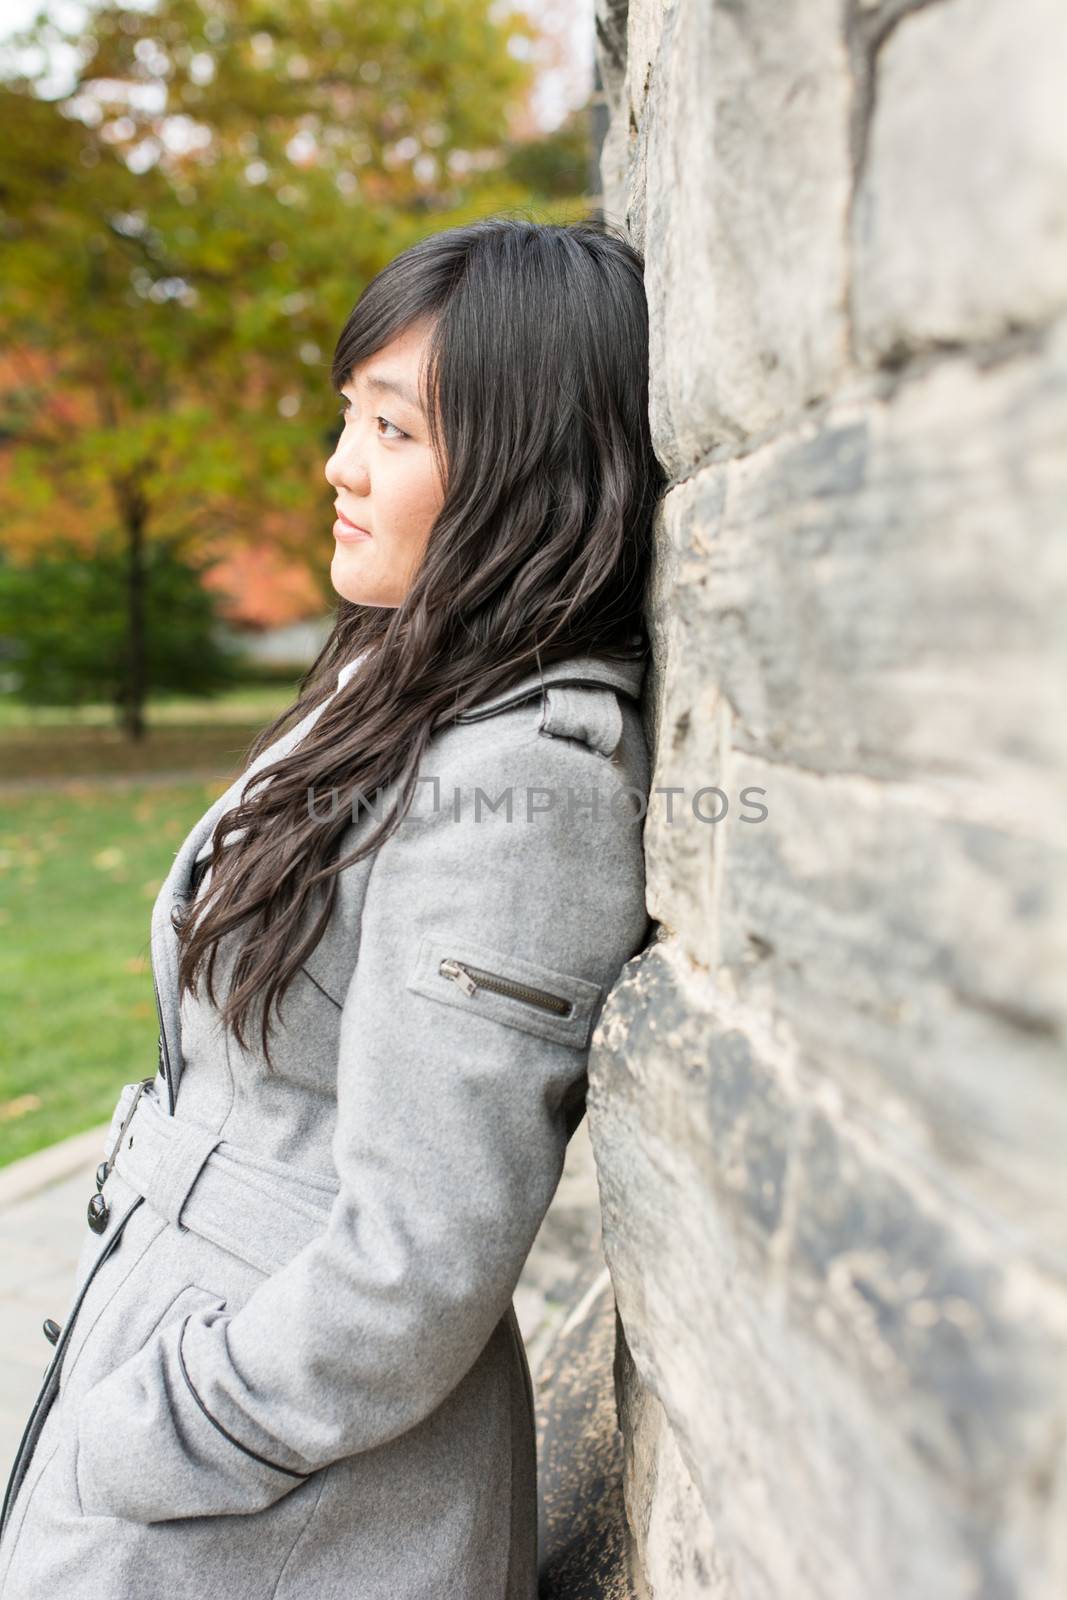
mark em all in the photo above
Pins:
pixel 828 1105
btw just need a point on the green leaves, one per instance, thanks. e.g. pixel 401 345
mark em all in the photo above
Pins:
pixel 204 204
pixel 63 626
pixel 186 226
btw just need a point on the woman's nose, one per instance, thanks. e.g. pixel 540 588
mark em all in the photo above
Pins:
pixel 346 470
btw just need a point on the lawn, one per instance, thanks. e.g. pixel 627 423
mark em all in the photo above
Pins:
pixel 79 871
pixel 81 862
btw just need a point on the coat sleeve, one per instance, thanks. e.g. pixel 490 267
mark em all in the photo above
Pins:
pixel 449 1144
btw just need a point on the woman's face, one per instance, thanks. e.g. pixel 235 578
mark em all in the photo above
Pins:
pixel 388 487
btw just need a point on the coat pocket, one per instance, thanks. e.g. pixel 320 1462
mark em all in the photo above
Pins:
pixel 146 1283
pixel 462 972
pixel 189 1299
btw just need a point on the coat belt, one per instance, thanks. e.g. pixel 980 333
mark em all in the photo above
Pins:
pixel 262 1211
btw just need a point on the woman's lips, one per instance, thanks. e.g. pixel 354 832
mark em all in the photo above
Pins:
pixel 348 532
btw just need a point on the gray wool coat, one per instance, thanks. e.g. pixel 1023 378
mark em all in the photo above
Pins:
pixel 292 1365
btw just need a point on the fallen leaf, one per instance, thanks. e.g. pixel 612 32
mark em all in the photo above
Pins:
pixel 10 1109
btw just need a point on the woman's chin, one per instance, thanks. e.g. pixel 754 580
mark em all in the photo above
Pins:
pixel 353 581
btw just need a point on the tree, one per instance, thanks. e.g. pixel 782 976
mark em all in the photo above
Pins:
pixel 185 228
pixel 63 626
pixel 557 163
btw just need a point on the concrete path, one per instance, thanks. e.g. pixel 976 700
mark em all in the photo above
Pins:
pixel 42 1227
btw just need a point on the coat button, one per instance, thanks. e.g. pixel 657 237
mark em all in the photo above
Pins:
pixel 52 1330
pixel 101 1176
pixel 98 1213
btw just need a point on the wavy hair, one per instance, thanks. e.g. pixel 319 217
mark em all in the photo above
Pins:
pixel 536 380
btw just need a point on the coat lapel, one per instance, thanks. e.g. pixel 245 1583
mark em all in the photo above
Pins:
pixel 626 676
pixel 175 891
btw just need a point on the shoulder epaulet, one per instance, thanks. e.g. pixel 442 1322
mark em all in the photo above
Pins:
pixel 590 713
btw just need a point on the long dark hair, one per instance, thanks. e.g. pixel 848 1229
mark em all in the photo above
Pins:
pixel 537 378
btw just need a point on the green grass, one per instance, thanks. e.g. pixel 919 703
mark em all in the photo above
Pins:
pixel 80 866
pixel 79 871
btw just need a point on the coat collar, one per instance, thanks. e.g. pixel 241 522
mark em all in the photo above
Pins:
pixel 584 669
pixel 626 676
pixel 579 669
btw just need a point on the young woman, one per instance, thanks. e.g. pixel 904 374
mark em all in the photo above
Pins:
pixel 292 1365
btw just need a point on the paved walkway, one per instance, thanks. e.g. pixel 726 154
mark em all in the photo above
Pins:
pixel 42 1227
pixel 40 1237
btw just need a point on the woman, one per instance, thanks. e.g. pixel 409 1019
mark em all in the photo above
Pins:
pixel 292 1366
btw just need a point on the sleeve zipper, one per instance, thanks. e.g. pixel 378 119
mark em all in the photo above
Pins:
pixel 470 979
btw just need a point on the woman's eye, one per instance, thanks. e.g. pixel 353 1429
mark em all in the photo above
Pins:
pixel 397 433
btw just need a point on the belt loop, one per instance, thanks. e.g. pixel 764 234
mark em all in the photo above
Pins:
pixel 179 1167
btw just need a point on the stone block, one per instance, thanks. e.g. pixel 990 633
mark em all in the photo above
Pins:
pixel 959 230
pixel 860 1371
pixel 748 182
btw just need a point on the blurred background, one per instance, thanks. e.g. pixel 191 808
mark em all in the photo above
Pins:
pixel 193 194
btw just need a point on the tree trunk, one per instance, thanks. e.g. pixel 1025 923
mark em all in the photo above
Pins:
pixel 134 513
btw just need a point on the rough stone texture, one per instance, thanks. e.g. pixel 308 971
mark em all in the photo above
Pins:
pixel 828 1104
pixel 611 67
pixel 744 191
pixel 894 701
pixel 663 1504
pixel 960 223
pixel 862 1377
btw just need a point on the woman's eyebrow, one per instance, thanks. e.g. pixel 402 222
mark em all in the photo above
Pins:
pixel 385 384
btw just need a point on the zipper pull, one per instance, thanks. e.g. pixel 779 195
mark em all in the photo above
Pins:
pixel 459 974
